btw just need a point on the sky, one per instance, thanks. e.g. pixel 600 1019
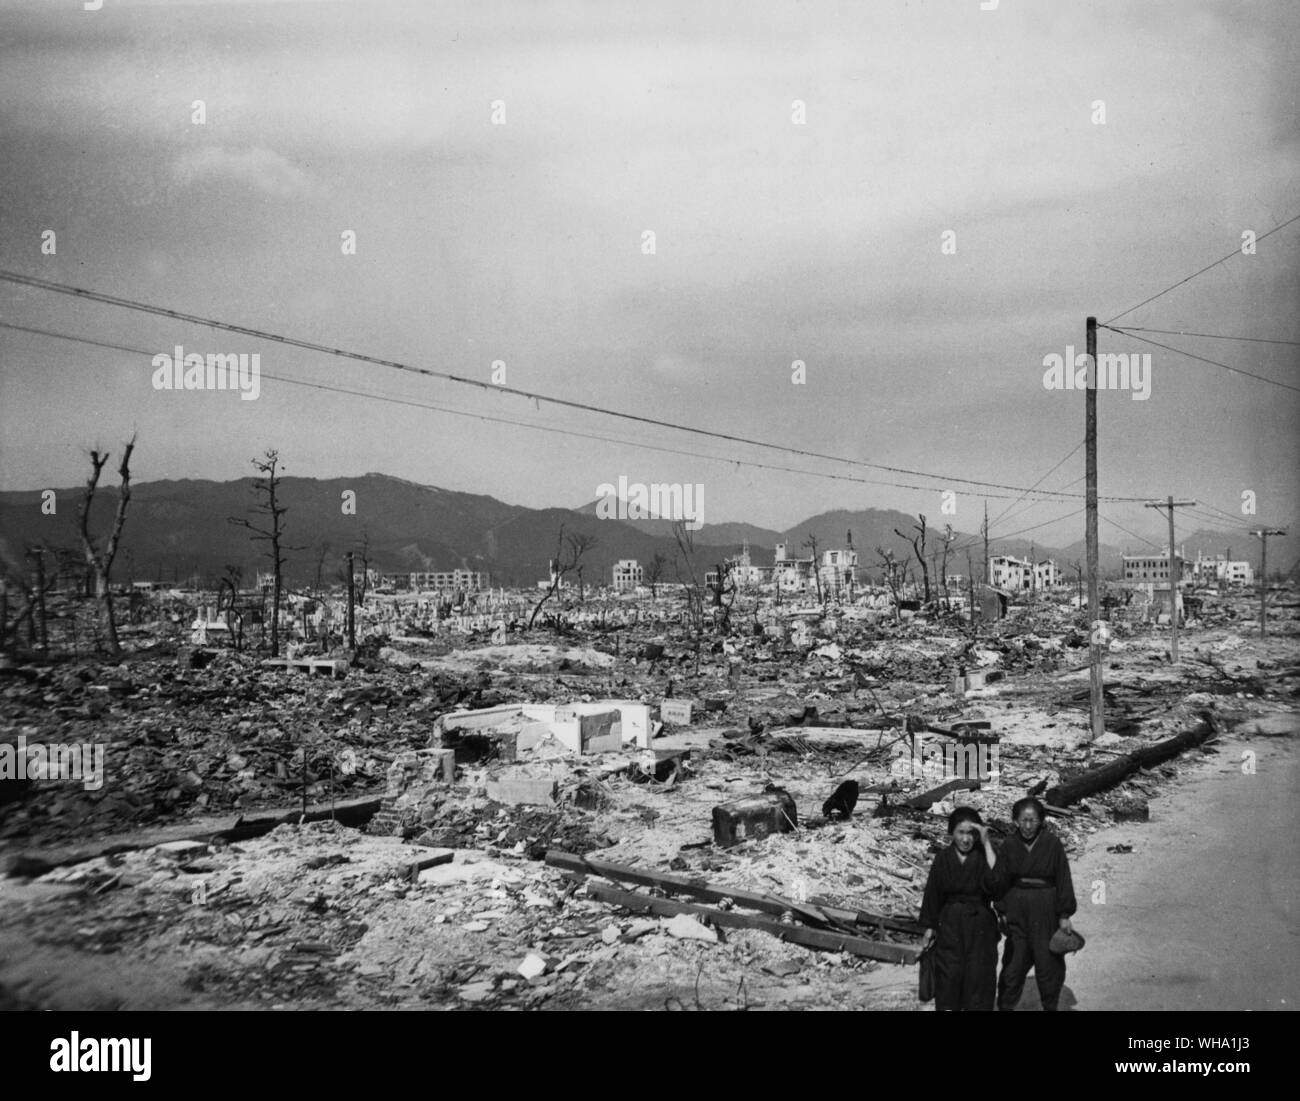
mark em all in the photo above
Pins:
pixel 917 201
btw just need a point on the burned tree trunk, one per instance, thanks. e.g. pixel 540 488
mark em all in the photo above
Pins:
pixel 100 561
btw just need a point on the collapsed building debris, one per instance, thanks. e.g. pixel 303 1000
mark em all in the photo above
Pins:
pixel 537 821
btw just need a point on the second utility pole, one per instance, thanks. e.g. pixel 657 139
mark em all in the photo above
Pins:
pixel 1175 574
pixel 1096 700
pixel 1262 536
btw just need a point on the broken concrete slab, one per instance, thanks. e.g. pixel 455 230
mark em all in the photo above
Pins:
pixel 568 723
pixel 527 790
pixel 533 966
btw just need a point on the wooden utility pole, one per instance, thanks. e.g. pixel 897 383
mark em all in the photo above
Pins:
pixel 39 554
pixel 352 620
pixel 988 576
pixel 1262 536
pixel 1097 703
pixel 1175 572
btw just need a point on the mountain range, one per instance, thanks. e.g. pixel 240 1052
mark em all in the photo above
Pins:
pixel 177 529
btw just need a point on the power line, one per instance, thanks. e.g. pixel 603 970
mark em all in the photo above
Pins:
pixel 1134 534
pixel 1211 336
pixel 520 423
pixel 1018 512
pixel 1188 279
pixel 311 346
pixel 1212 362
pixel 1040 480
pixel 1013 534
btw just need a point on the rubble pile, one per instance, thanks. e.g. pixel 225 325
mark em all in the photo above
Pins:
pixel 618 813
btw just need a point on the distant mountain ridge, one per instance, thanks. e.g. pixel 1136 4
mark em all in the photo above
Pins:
pixel 177 528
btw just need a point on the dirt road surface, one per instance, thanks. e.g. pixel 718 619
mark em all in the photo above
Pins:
pixel 1202 914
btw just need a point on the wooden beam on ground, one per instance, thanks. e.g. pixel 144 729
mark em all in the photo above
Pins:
pixel 927 798
pixel 795 934
pixel 353 813
pixel 683 885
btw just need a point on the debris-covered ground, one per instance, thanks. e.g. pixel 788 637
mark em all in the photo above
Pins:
pixel 170 884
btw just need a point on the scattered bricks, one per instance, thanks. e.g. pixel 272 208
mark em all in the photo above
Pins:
pixel 514 790
pixel 676 711
pixel 418 768
pixel 392 818
pixel 754 817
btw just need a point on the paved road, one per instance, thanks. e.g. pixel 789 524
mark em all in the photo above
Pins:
pixel 1203 913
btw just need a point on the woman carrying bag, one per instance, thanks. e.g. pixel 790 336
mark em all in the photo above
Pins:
pixel 960 948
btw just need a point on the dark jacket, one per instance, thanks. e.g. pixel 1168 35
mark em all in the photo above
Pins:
pixel 1046 860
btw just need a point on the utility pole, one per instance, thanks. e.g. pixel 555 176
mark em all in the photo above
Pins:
pixel 39 554
pixel 1175 573
pixel 352 620
pixel 988 574
pixel 1262 536
pixel 970 588
pixel 1096 700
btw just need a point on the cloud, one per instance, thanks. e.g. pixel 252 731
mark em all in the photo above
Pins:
pixel 261 169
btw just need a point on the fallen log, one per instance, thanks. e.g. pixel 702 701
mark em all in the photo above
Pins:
pixel 1108 775
pixel 795 934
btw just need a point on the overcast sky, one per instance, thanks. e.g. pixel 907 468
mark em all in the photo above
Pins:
pixel 774 241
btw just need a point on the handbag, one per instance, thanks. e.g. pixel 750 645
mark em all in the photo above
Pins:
pixel 925 981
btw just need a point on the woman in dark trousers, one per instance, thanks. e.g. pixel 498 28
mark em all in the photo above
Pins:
pixel 957 913
pixel 1032 884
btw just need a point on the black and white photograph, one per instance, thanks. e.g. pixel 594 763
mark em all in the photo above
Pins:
pixel 673 507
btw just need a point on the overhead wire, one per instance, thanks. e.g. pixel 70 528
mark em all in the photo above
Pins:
pixel 521 423
pixel 1202 359
pixel 260 334
pixel 1202 271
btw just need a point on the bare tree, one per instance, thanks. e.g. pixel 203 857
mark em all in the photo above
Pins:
pixel 364 555
pixel 811 542
pixel 918 546
pixel 569 550
pixel 892 576
pixel 720 588
pixel 99 557
pixel 654 572
pixel 32 610
pixel 228 598
pixel 943 569
pixel 694 595
pixel 320 566
pixel 271 530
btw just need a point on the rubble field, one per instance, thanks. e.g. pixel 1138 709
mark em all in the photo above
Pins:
pixel 548 823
